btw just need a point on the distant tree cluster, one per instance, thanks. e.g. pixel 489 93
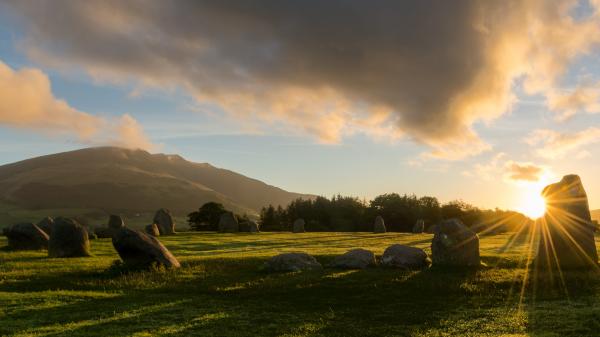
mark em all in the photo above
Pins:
pixel 400 212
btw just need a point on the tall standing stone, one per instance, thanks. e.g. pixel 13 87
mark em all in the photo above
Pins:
pixel 567 232
pixel 164 220
pixel 379 225
pixel 419 227
pixel 69 239
pixel 298 226
pixel 455 244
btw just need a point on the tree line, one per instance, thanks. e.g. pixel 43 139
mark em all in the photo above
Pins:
pixel 350 214
pixel 400 212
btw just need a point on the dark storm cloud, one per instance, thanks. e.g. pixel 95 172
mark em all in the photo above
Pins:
pixel 426 69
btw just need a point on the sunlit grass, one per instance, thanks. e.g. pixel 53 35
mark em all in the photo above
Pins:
pixel 220 291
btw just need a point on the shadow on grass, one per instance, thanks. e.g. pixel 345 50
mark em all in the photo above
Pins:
pixel 565 303
pixel 224 297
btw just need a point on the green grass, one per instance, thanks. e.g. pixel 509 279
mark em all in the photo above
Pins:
pixel 220 291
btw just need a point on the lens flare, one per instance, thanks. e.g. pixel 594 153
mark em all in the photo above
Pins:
pixel 534 207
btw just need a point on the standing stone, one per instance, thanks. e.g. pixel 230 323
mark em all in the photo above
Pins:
pixel 432 229
pixel 567 232
pixel 69 239
pixel 152 229
pixel 115 222
pixel 298 226
pixel 454 244
pixel 292 262
pixel 164 221
pixel 419 226
pixel 104 232
pixel 46 225
pixel 254 227
pixel 404 257
pixel 379 225
pixel 139 249
pixel 228 223
pixel 26 236
pixel 354 259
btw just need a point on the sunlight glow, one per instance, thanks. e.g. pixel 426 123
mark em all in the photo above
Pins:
pixel 531 203
pixel 534 207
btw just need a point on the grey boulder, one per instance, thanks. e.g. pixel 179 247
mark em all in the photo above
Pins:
pixel 292 262
pixel 355 259
pixel 405 257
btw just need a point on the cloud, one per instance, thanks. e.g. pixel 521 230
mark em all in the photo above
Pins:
pixel 556 145
pixel 512 171
pixel 487 171
pixel 27 102
pixel 585 98
pixel 425 70
pixel 527 172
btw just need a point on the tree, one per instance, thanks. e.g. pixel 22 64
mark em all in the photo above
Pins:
pixel 207 217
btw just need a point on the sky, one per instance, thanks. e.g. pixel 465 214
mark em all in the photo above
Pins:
pixel 484 101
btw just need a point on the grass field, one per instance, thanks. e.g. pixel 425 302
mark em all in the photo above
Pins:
pixel 220 291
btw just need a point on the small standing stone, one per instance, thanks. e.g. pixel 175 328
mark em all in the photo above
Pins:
pixel 228 223
pixel 164 220
pixel 298 226
pixel 115 222
pixel 254 227
pixel 46 225
pixel 419 226
pixel 379 225
pixel 454 244
pixel 152 229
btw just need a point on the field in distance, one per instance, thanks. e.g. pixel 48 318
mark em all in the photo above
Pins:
pixel 220 291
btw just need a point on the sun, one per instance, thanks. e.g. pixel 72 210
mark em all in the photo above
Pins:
pixel 533 206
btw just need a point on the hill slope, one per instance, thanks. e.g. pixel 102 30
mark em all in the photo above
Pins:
pixel 122 180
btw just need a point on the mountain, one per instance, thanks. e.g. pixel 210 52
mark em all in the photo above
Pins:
pixel 121 180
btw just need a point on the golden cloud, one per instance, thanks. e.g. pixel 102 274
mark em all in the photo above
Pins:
pixel 552 144
pixel 26 101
